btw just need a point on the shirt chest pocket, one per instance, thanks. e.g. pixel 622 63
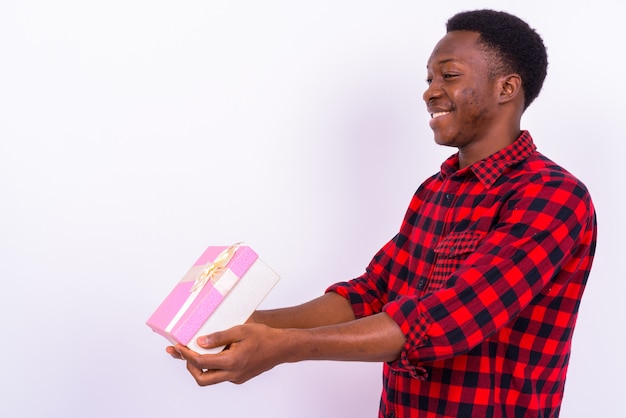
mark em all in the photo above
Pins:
pixel 450 254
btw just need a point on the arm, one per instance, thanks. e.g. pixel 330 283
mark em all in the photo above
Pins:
pixel 255 348
pixel 328 309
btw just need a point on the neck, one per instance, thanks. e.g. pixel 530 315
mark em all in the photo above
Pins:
pixel 479 150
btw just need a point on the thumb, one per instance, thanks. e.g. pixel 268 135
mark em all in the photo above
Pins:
pixel 217 339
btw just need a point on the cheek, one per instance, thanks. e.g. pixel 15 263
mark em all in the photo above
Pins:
pixel 471 97
pixel 472 104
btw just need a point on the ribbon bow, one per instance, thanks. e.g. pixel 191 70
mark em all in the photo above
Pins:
pixel 213 269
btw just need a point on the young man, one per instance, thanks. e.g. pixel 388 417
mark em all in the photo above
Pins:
pixel 473 303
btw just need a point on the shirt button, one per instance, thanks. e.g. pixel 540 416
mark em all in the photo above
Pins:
pixel 421 283
pixel 449 196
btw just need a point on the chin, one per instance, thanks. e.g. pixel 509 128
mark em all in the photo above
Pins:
pixel 444 141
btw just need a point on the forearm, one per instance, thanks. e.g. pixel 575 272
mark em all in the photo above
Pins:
pixel 328 309
pixel 373 338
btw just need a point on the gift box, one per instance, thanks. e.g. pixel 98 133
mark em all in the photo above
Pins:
pixel 222 289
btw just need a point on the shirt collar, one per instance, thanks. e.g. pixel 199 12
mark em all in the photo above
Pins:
pixel 491 168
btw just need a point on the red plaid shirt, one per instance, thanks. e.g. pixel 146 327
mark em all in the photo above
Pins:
pixel 485 279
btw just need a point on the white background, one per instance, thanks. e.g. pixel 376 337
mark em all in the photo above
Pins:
pixel 135 133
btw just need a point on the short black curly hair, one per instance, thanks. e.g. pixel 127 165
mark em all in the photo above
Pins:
pixel 519 48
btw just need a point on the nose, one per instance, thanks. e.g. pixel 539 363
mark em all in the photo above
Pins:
pixel 433 91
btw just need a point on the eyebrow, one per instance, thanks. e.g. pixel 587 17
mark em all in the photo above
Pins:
pixel 445 61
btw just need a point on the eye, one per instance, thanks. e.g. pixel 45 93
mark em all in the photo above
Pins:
pixel 449 76
pixel 429 81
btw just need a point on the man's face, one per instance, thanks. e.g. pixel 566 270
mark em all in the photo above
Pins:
pixel 461 97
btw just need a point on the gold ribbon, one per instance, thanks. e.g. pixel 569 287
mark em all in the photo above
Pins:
pixel 215 268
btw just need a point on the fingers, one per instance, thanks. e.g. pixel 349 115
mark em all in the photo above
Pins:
pixel 172 352
pixel 206 369
pixel 206 377
pixel 202 361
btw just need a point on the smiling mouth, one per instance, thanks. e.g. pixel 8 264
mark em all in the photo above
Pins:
pixel 437 114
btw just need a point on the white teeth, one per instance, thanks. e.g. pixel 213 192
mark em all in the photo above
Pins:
pixel 436 115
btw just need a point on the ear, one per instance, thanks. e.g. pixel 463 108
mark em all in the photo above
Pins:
pixel 511 88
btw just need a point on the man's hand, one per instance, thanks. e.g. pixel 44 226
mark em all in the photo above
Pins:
pixel 251 350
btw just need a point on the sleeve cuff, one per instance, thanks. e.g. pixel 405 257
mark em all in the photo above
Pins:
pixel 360 306
pixel 407 313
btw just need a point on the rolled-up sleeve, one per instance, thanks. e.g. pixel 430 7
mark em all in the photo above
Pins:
pixel 368 293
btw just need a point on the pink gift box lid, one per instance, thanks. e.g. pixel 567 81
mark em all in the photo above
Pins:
pixel 208 298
